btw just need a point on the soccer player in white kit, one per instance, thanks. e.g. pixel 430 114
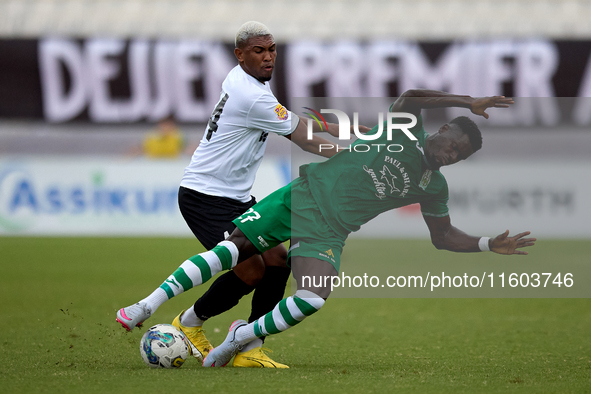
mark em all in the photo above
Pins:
pixel 215 189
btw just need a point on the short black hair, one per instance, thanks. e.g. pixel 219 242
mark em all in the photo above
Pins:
pixel 468 127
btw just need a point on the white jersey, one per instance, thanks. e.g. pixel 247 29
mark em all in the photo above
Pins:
pixel 227 158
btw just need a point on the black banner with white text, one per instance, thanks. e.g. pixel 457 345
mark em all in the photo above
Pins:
pixel 124 81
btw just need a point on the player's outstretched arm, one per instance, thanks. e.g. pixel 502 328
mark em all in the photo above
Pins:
pixel 445 236
pixel 317 145
pixel 415 100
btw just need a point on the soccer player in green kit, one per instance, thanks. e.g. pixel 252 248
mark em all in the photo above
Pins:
pixel 329 200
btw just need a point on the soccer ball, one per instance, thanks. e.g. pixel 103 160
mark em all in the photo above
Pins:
pixel 164 346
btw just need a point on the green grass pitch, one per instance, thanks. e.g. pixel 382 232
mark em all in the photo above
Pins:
pixel 59 297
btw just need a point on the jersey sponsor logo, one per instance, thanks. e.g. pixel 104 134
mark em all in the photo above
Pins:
pixel 389 178
pixel 380 186
pixel 426 178
pixel 387 174
pixel 405 178
pixel 281 112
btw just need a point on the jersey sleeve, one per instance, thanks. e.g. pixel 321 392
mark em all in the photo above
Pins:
pixel 267 114
pixel 418 129
pixel 437 205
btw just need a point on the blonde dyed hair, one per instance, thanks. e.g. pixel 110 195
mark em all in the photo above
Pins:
pixel 249 30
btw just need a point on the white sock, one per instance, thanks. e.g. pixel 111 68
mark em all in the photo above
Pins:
pixel 252 345
pixel 245 334
pixel 190 319
pixel 154 300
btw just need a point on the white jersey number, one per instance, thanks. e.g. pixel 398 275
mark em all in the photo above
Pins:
pixel 243 218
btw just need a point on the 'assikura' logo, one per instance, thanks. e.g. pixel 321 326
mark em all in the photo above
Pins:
pixel 27 199
pixel 345 129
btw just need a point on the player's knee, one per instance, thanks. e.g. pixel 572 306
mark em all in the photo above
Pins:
pixel 276 257
pixel 238 238
pixel 308 302
pixel 245 248
pixel 320 285
pixel 251 271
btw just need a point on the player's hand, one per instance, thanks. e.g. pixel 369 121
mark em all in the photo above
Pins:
pixel 503 244
pixel 479 105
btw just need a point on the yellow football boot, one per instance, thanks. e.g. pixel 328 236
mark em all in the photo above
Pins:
pixel 200 346
pixel 256 358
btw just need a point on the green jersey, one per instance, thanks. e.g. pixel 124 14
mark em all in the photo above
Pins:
pixel 372 177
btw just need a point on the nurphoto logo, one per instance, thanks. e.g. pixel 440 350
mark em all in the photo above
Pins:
pixel 345 129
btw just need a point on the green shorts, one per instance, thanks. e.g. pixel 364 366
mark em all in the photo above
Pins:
pixel 291 213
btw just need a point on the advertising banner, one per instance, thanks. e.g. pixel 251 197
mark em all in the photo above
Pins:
pixel 139 197
pixel 75 196
pixel 109 80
